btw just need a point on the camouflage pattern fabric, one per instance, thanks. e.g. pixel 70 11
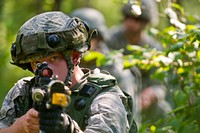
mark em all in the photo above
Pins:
pixel 16 96
pixel 107 112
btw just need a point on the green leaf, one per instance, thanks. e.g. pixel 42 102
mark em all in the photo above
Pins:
pixel 177 6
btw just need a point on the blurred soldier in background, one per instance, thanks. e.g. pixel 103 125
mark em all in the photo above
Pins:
pixel 125 79
pixel 132 31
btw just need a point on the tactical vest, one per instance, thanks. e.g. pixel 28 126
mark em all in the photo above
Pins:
pixel 87 89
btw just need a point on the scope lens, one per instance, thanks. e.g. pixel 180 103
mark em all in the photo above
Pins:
pixel 47 72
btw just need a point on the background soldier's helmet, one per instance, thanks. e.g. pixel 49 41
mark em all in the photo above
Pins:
pixel 47 33
pixel 93 18
pixel 149 11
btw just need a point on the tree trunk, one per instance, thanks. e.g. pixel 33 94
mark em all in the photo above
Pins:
pixel 57 5
pixel 39 6
pixel 1 9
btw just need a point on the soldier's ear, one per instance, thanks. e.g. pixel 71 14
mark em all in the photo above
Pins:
pixel 76 56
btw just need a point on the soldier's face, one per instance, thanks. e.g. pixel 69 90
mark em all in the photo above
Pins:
pixel 57 63
pixel 134 26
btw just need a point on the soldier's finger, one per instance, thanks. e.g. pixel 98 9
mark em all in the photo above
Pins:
pixel 33 113
pixel 33 128
pixel 35 121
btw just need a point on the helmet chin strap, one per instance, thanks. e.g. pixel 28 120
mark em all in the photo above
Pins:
pixel 70 64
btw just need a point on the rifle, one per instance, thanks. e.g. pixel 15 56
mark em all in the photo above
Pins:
pixel 47 90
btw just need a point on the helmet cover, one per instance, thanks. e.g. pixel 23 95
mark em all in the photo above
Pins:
pixel 47 33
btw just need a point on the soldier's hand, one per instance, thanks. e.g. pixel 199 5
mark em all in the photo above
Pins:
pixel 28 123
pixel 53 120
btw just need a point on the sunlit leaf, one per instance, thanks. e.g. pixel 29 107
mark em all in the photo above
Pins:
pixel 179 7
pixel 180 70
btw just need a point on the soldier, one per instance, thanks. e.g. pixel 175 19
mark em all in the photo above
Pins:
pixel 152 93
pixel 132 30
pixel 97 103
pixel 125 79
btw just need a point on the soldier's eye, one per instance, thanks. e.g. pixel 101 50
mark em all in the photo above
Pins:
pixel 55 58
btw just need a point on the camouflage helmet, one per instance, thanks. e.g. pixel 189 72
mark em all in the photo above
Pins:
pixel 47 33
pixel 149 10
pixel 93 18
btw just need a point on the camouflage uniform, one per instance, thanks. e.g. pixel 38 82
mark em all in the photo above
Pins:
pixel 105 114
pixel 118 41
pixel 97 103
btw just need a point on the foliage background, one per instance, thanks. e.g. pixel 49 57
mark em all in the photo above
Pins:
pixel 13 13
